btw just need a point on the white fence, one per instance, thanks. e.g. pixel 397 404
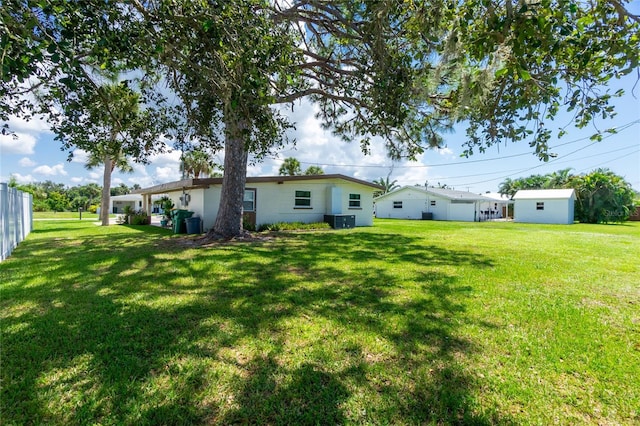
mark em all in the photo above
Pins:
pixel 16 218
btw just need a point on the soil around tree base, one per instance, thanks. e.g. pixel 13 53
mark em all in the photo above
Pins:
pixel 212 238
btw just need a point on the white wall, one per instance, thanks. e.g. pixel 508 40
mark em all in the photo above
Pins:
pixel 441 210
pixel 16 218
pixel 413 204
pixel 211 204
pixel 464 212
pixel 276 202
pixel 555 211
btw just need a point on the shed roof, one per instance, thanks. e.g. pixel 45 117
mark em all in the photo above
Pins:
pixel 546 194
pixel 204 183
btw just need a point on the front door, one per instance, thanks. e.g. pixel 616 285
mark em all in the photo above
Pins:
pixel 249 209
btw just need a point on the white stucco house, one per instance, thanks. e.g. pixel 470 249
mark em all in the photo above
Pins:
pixel 274 199
pixel 416 202
pixel 117 203
pixel 544 206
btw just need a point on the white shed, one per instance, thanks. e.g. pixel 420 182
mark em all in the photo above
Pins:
pixel 544 206
pixel 273 199
pixel 416 202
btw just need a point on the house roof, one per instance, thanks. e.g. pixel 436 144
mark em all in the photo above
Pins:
pixel 126 197
pixel 204 183
pixel 547 194
pixel 496 196
pixel 449 194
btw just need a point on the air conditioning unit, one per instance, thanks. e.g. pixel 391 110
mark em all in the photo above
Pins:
pixel 340 221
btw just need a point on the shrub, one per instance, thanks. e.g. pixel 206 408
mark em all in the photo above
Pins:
pixel 133 217
pixel 139 218
pixel 602 197
pixel 293 226
pixel 248 226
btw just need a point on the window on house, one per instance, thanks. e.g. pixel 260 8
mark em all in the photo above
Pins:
pixel 539 205
pixel 249 201
pixel 303 199
pixel 433 202
pixel 397 204
pixel 354 201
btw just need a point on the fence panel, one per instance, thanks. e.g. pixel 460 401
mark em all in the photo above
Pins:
pixel 16 218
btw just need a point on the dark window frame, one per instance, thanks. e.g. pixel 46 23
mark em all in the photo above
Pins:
pixel 252 190
pixel 302 200
pixel 355 201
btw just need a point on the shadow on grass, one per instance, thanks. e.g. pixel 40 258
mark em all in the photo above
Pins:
pixel 314 328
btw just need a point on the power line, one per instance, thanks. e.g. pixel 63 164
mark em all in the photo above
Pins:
pixel 610 161
pixel 520 170
pixel 617 130
pixel 544 164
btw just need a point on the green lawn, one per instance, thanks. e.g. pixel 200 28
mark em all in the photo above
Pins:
pixel 66 215
pixel 407 322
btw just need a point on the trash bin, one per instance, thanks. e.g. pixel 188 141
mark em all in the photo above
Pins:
pixel 178 217
pixel 193 225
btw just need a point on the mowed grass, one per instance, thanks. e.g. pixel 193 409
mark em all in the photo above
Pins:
pixel 66 215
pixel 407 322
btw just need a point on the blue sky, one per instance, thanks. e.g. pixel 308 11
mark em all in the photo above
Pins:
pixel 35 156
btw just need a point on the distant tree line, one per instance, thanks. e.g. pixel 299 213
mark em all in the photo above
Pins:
pixel 51 196
pixel 601 195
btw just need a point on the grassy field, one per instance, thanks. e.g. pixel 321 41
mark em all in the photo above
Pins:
pixel 66 215
pixel 407 322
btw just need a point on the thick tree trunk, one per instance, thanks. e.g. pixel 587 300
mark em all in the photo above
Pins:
pixel 106 190
pixel 228 223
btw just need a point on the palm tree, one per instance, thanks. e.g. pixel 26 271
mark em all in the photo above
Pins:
pixel 558 179
pixel 195 163
pixel 111 157
pixel 118 160
pixel 509 187
pixel 290 167
pixel 386 184
pixel 314 170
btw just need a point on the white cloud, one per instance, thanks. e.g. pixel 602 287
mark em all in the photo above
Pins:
pixel 23 179
pixel 27 162
pixel 20 143
pixel 56 170
pixel 94 176
pixel 80 156
pixel 167 158
pixel 77 179
pixel 167 174
pixel 444 151
pixel 35 125
pixel 144 182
